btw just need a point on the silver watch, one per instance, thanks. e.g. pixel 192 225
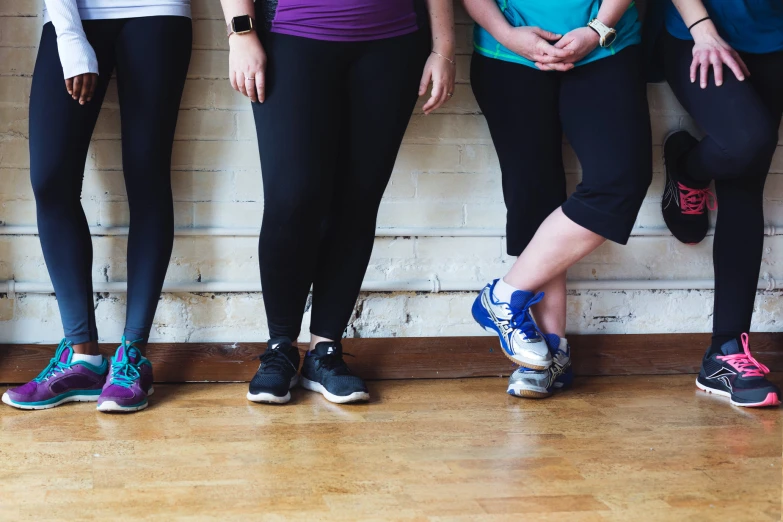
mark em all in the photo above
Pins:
pixel 606 35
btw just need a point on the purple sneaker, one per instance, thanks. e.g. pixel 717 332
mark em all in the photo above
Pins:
pixel 60 382
pixel 129 382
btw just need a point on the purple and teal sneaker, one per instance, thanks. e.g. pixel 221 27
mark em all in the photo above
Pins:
pixel 129 382
pixel 60 382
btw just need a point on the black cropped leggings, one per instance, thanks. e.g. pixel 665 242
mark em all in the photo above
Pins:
pixel 151 57
pixel 741 121
pixel 328 135
pixel 607 124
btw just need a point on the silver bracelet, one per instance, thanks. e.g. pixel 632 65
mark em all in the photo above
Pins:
pixel 452 62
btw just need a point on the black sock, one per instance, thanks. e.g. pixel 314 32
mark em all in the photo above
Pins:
pixel 719 340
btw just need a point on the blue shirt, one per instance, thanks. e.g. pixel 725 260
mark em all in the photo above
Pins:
pixel 751 26
pixel 557 16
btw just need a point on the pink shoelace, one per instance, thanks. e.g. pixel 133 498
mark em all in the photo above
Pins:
pixel 694 201
pixel 744 362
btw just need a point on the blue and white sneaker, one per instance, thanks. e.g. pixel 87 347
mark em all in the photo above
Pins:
pixel 519 336
pixel 538 384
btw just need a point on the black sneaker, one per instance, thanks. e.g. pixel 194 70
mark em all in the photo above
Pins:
pixel 736 374
pixel 276 374
pixel 325 372
pixel 685 201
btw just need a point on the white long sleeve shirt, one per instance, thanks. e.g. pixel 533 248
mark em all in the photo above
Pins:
pixel 76 54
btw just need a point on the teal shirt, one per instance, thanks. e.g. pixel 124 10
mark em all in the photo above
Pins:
pixel 557 16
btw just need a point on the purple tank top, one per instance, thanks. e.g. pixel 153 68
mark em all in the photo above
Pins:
pixel 345 20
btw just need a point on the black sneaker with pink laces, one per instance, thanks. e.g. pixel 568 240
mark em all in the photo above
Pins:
pixel 685 201
pixel 734 373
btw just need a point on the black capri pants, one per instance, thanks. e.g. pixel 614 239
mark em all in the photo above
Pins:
pixel 602 107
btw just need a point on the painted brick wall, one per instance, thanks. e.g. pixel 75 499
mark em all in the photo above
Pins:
pixel 446 177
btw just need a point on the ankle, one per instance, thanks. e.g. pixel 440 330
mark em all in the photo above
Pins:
pixel 503 290
pixel 88 348
pixel 315 339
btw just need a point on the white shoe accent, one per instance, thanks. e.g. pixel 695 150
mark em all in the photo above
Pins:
pixel 318 387
pixel 72 398
pixel 530 352
pixel 108 406
pixel 268 398
pixel 526 390
pixel 113 406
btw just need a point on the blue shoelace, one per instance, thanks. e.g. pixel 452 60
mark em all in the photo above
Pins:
pixel 123 373
pixel 522 318
pixel 54 364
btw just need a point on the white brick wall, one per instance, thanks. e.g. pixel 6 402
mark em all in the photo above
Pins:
pixel 446 176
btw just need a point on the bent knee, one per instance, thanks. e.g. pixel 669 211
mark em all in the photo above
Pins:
pixel 752 149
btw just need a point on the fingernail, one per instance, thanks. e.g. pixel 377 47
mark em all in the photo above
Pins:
pixel 742 78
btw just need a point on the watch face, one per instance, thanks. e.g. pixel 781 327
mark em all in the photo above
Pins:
pixel 242 24
pixel 609 38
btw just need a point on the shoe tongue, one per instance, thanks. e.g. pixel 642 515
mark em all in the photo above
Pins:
pixel 134 355
pixel 65 356
pixel 129 353
pixel 328 348
pixel 552 341
pixel 520 299
pixel 730 347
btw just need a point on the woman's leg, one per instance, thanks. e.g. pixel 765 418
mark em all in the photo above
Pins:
pixel 382 91
pixel 522 108
pixel 153 54
pixel 739 240
pixel 299 126
pixel 60 131
pixel 528 138
pixel 611 138
pixel 740 120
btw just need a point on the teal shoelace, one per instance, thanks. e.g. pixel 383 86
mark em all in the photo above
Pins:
pixel 123 373
pixel 54 364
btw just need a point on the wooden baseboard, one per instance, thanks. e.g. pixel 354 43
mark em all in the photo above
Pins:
pixel 417 357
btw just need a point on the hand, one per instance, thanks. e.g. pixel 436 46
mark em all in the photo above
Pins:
pixel 581 42
pixel 531 42
pixel 441 73
pixel 710 49
pixel 247 65
pixel 82 86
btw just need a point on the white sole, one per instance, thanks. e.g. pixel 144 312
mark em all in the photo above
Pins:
pixel 268 398
pixel 111 406
pixel 527 391
pixel 73 398
pixel 337 399
pixel 533 364
pixel 722 393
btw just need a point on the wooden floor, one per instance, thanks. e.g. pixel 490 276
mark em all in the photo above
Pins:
pixel 613 448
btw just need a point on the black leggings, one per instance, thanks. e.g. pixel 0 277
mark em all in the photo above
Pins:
pixel 741 122
pixel 602 107
pixel 151 56
pixel 328 135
